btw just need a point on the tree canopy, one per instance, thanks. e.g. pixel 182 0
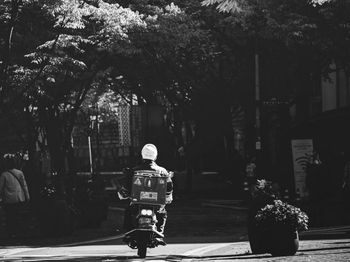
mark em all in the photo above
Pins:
pixel 52 54
pixel 55 54
pixel 319 26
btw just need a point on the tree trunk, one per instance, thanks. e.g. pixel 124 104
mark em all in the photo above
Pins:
pixel 32 168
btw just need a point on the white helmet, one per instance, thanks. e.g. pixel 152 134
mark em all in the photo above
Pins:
pixel 149 151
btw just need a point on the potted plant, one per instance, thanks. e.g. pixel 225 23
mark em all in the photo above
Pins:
pixel 280 223
pixel 262 192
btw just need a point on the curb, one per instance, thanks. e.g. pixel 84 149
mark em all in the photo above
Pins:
pixel 225 206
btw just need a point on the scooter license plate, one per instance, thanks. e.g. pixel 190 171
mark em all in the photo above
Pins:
pixel 145 220
pixel 148 195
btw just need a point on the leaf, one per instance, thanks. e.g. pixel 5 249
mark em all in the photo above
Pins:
pixel 226 6
pixel 320 2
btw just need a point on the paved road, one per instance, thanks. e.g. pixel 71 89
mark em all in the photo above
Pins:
pixel 310 250
pixel 111 249
pixel 108 252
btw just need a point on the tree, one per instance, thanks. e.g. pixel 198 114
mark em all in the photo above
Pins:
pixel 297 42
pixel 239 5
pixel 63 56
pixel 182 58
pixel 317 27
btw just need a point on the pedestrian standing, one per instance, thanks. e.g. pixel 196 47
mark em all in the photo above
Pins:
pixel 251 173
pixel 14 194
pixel 314 177
pixel 316 184
pixel 250 168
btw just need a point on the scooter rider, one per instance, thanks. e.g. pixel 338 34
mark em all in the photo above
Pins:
pixel 149 155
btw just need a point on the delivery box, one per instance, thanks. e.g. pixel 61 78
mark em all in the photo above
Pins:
pixel 148 187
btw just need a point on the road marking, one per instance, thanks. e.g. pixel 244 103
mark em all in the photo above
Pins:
pixel 202 250
pixel 15 251
pixel 61 252
pixel 332 230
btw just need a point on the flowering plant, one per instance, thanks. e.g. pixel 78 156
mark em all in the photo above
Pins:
pixel 281 213
pixel 48 191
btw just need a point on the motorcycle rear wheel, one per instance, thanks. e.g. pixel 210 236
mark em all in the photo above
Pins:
pixel 142 250
pixel 142 245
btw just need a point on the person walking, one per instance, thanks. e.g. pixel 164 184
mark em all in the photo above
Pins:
pixel 13 193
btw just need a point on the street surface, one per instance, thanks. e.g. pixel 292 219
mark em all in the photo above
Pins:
pixel 197 230
pixel 111 249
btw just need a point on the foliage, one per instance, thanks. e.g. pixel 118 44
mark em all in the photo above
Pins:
pixel 225 5
pixel 60 56
pixel 264 190
pixel 281 214
pixel 52 54
pixel 313 31
pixel 173 52
pixel 235 6
pixel 320 2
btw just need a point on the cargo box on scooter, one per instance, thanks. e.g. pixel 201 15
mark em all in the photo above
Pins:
pixel 148 187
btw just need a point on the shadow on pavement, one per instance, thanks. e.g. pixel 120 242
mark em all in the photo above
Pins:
pixel 339 243
pixel 77 258
pixel 323 249
pixel 170 258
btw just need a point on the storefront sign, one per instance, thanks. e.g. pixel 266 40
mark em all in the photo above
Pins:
pixel 301 149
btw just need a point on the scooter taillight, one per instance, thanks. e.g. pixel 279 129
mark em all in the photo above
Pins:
pixel 146 212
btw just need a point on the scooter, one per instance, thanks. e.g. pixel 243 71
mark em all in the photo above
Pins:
pixel 148 194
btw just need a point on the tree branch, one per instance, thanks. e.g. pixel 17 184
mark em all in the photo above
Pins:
pixel 7 54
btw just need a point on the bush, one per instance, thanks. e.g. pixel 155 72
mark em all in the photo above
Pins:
pixel 281 214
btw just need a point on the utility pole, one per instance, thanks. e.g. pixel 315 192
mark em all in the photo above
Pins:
pixel 89 146
pixel 257 105
pixel 97 133
pixel 131 126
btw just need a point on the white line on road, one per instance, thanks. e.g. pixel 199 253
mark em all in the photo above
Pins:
pixel 202 250
pixel 324 230
pixel 15 251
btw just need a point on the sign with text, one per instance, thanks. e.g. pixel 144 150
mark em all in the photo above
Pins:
pixel 301 149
